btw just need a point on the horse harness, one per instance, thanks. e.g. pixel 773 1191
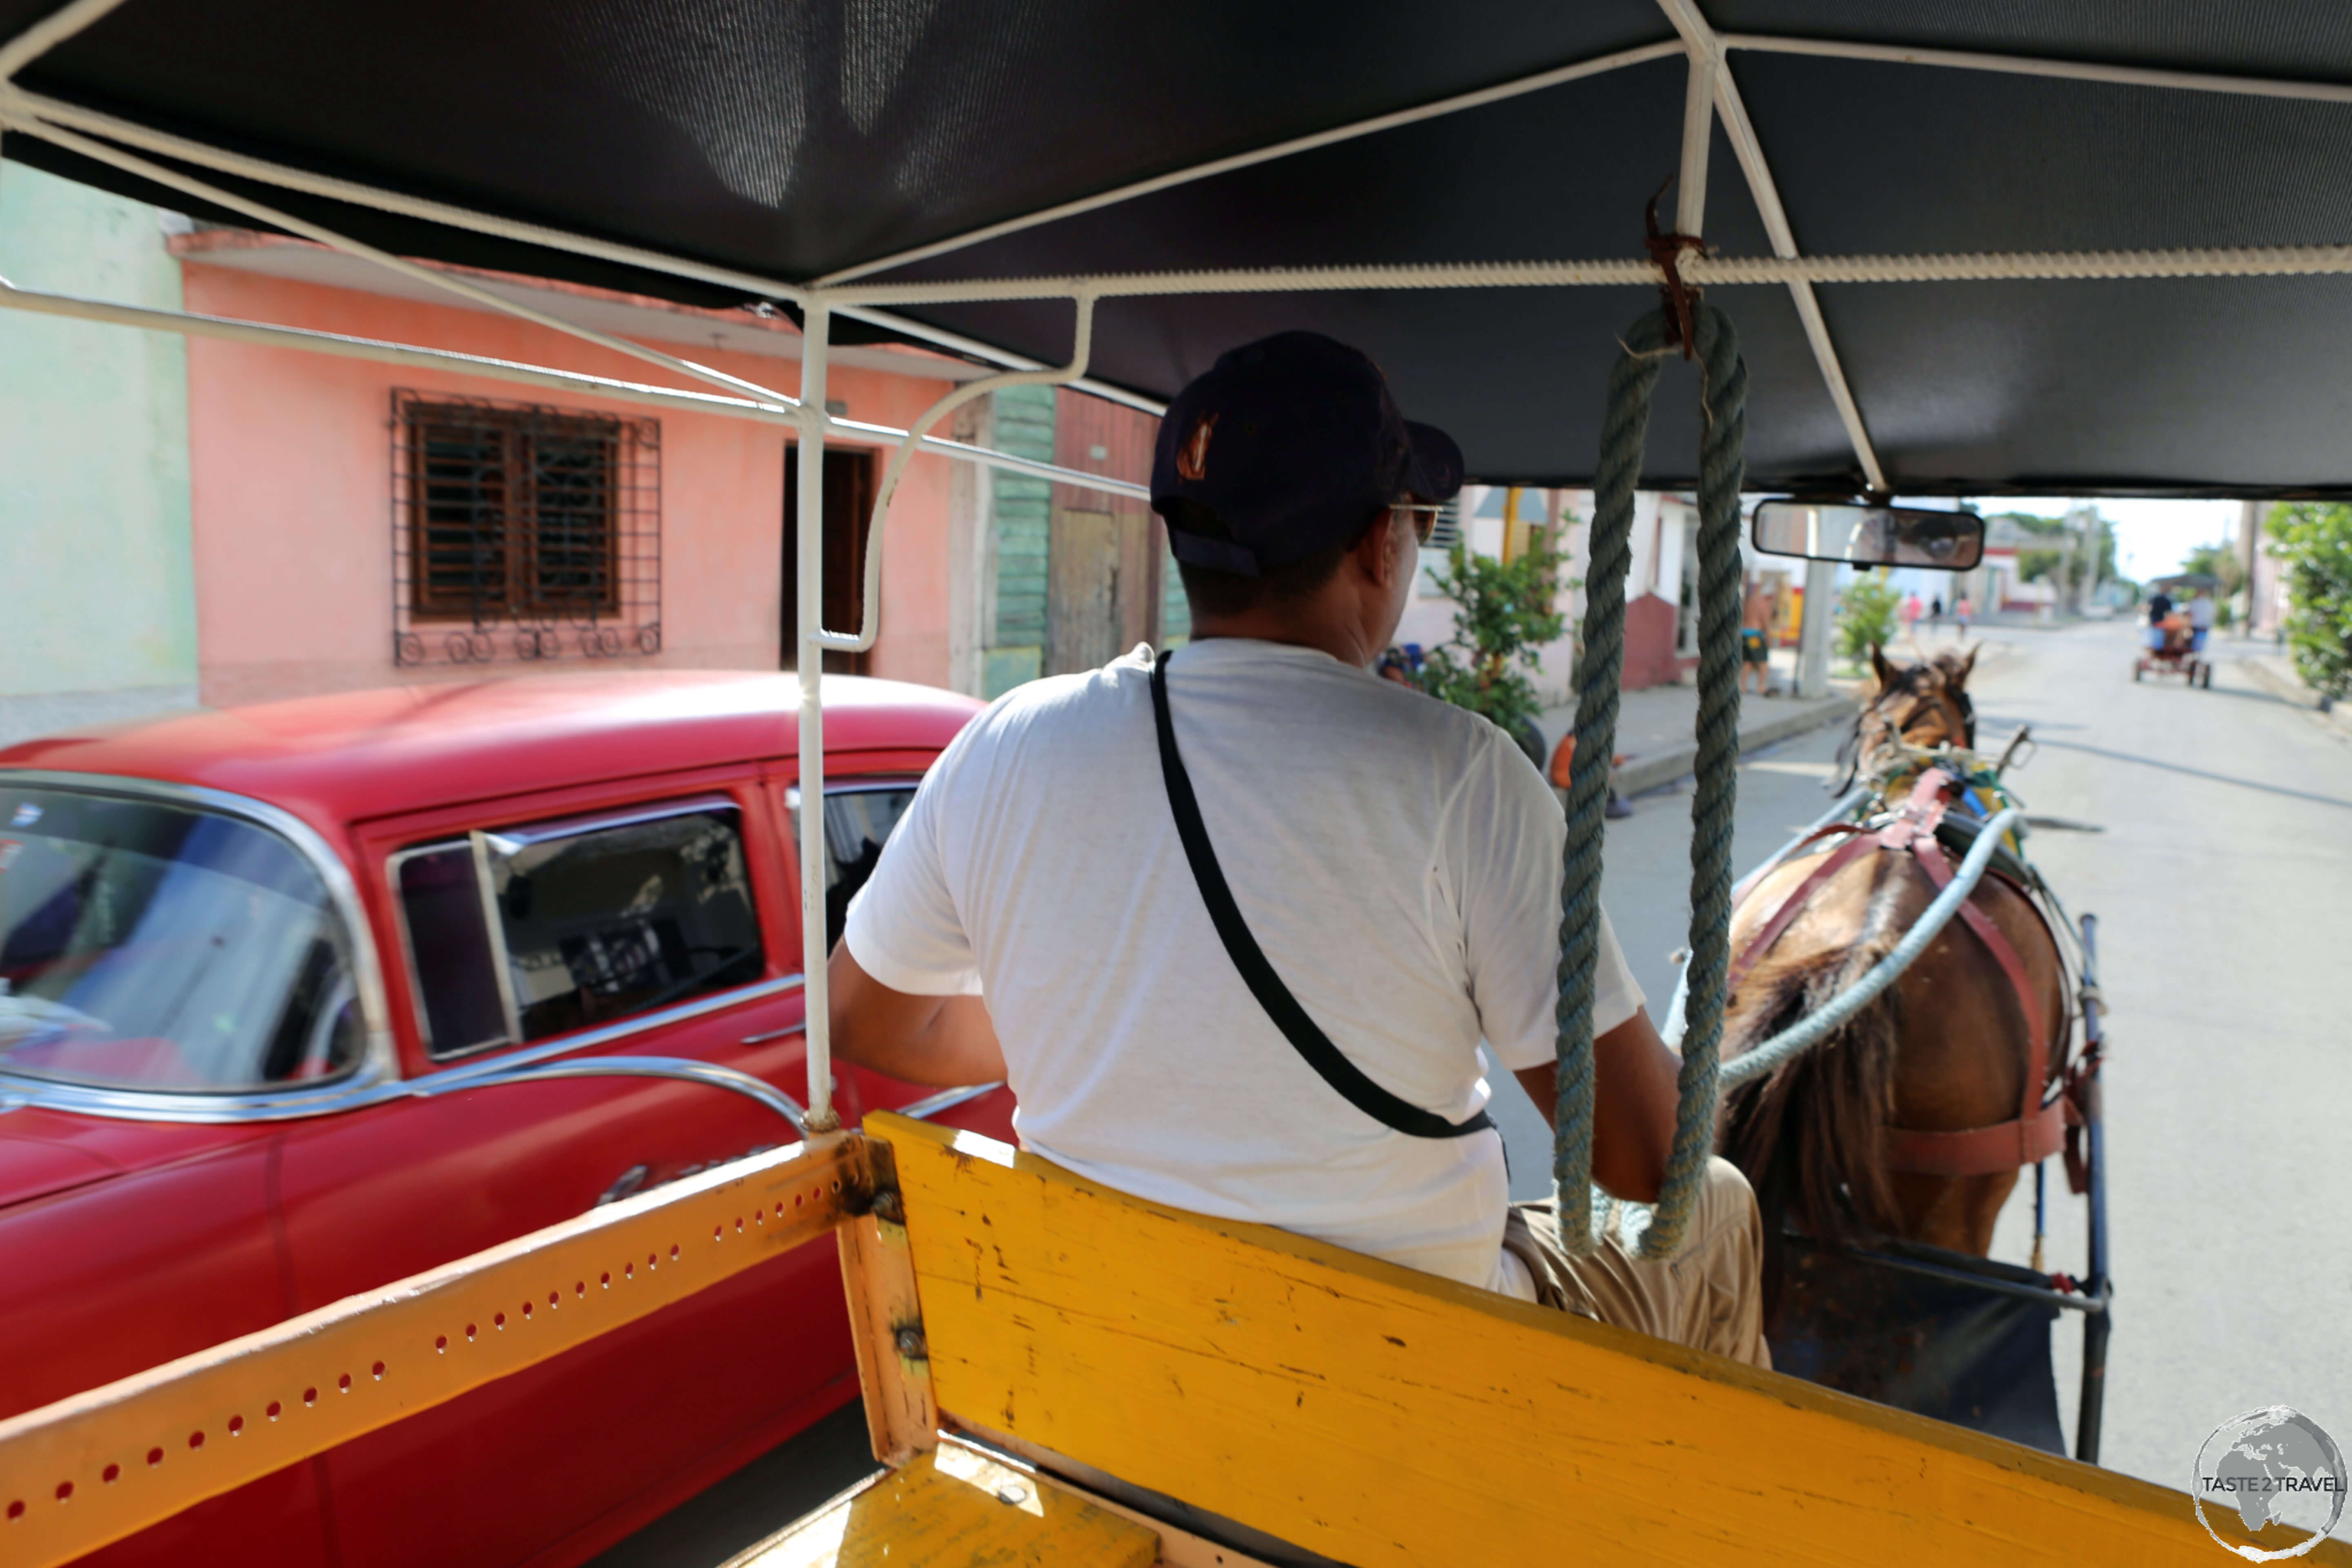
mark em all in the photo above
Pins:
pixel 2045 1124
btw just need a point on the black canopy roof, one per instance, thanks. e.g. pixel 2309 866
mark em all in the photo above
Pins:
pixel 791 139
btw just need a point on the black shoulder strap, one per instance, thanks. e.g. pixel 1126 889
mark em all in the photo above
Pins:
pixel 1265 984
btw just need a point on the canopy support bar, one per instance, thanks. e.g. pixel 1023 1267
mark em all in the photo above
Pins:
pixel 2242 261
pixel 1698 131
pixel 22 109
pixel 815 949
pixel 265 335
pixel 1082 346
pixel 2064 70
pixel 1705 43
pixel 132 164
pixel 1435 109
pixel 50 32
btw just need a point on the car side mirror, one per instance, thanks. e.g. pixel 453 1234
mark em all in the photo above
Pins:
pixel 1865 535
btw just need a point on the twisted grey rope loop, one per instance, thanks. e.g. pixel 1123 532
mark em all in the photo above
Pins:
pixel 1624 433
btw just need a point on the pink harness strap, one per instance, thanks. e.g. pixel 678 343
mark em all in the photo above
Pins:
pixel 2038 1131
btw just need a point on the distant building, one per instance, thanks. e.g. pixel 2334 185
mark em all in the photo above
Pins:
pixel 98 605
pixel 1661 584
pixel 192 520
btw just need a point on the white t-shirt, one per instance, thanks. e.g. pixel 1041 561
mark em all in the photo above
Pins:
pixel 1399 862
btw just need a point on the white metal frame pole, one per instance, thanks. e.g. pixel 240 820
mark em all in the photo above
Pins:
pixel 1814 629
pixel 1698 133
pixel 816 323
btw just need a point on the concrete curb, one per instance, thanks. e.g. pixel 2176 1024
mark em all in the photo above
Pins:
pixel 2339 717
pixel 1641 773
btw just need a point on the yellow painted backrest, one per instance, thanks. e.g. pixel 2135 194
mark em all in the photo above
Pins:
pixel 1384 1417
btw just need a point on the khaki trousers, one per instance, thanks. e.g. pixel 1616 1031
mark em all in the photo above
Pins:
pixel 1708 1297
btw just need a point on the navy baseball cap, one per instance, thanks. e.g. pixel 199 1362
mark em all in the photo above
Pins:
pixel 1293 442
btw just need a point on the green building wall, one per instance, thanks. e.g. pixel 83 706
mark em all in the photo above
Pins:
pixel 96 588
pixel 1023 510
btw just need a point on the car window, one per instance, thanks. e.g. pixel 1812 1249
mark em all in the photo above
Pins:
pixel 522 933
pixel 858 820
pixel 147 944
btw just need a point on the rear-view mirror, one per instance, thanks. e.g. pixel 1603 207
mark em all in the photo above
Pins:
pixel 1869 535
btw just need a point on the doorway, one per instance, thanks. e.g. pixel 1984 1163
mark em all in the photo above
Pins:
pixel 848 507
pixel 1102 591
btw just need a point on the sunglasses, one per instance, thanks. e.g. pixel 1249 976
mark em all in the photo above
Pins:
pixel 1424 516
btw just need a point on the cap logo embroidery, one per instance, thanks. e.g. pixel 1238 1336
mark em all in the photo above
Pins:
pixel 1192 462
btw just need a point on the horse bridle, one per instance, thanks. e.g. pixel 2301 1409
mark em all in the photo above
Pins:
pixel 1854 753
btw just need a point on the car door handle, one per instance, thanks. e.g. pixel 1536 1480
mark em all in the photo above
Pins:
pixel 630 1180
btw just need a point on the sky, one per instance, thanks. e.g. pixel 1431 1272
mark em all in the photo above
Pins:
pixel 2151 536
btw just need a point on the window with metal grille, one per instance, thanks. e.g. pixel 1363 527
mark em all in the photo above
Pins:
pixel 525 530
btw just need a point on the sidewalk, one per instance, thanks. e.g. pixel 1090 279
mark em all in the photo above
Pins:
pixel 1656 726
pixel 2275 673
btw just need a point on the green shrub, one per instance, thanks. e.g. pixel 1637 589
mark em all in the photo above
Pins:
pixel 1503 616
pixel 1865 614
pixel 2313 541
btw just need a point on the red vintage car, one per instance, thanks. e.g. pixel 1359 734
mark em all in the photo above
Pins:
pixel 300 998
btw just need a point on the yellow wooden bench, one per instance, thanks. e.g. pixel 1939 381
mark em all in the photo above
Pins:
pixel 1379 1415
pixel 1047 1362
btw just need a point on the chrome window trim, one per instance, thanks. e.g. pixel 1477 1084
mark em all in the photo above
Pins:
pixel 548 830
pixel 377 1081
pixel 391 868
pixel 480 839
pixel 348 1094
pixel 878 785
pixel 378 1067
pixel 476 1066
pixel 494 931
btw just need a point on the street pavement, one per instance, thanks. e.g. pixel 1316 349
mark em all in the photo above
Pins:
pixel 2224 890
pixel 2223 881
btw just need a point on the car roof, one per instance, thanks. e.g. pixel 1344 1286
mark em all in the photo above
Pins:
pixel 355 755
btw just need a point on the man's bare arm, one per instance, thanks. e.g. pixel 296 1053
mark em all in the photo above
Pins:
pixel 1633 1113
pixel 943 1041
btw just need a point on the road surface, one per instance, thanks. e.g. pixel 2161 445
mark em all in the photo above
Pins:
pixel 2223 886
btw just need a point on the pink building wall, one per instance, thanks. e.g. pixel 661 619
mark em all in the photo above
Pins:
pixel 290 475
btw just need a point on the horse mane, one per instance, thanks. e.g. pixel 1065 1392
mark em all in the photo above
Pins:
pixel 1811 1134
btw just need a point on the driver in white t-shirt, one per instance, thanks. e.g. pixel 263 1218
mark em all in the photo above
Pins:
pixel 1396 860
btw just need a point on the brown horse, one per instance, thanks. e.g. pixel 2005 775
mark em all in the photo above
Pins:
pixel 1943 1050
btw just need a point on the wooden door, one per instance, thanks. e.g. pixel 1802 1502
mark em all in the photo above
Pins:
pixel 1082 602
pixel 848 511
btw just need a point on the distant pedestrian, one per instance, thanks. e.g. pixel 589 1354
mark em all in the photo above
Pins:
pixel 2201 618
pixel 1911 611
pixel 1936 613
pixel 1755 638
pixel 1963 609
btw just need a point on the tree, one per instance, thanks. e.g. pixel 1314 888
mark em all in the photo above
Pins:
pixel 2217 560
pixel 2042 564
pixel 1504 614
pixel 1866 616
pixel 2038 565
pixel 2313 542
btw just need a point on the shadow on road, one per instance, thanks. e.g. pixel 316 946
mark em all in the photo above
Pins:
pixel 2148 762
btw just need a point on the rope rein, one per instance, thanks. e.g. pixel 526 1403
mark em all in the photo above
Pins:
pixel 1624 434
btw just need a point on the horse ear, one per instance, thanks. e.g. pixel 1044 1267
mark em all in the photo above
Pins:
pixel 1887 674
pixel 1958 675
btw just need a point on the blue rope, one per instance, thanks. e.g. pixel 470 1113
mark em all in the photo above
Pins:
pixel 1623 434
